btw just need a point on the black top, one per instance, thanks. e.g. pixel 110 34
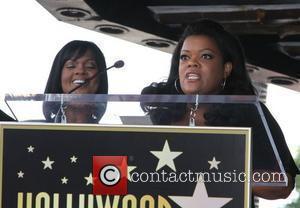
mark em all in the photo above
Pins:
pixel 236 115
pixel 260 151
pixel 5 117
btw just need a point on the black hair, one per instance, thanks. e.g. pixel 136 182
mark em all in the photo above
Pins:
pixel 238 115
pixel 74 50
pixel 237 83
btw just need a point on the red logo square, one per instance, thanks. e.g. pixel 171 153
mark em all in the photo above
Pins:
pixel 109 175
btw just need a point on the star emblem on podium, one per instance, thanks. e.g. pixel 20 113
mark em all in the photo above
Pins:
pixel 214 163
pixel 166 157
pixel 200 198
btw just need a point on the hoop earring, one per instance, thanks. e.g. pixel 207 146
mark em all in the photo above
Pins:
pixel 223 84
pixel 175 85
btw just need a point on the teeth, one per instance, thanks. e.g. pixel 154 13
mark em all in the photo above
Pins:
pixel 193 76
pixel 78 81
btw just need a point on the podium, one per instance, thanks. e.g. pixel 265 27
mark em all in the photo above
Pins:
pixel 47 164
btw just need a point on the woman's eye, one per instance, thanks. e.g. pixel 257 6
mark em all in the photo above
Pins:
pixel 207 56
pixel 91 65
pixel 183 57
pixel 70 65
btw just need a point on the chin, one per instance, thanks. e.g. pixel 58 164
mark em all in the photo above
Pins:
pixel 83 91
pixel 80 92
pixel 192 92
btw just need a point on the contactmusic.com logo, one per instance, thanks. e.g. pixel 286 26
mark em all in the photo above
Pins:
pixel 109 175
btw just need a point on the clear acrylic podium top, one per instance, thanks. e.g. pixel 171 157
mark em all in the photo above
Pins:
pixel 115 109
pixel 178 110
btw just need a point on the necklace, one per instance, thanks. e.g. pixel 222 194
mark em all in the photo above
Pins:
pixel 193 112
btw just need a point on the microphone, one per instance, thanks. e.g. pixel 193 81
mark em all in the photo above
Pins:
pixel 117 64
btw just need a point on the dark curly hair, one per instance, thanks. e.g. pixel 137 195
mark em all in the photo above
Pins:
pixel 238 115
pixel 237 83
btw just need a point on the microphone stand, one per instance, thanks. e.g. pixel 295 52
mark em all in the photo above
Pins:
pixel 91 78
pixel 62 107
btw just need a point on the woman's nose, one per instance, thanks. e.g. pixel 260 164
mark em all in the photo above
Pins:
pixel 80 69
pixel 193 62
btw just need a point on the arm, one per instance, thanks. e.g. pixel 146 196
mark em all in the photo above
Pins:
pixel 275 192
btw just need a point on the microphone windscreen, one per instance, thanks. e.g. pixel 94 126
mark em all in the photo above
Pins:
pixel 119 64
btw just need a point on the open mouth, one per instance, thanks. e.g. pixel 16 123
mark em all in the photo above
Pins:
pixel 192 76
pixel 79 82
